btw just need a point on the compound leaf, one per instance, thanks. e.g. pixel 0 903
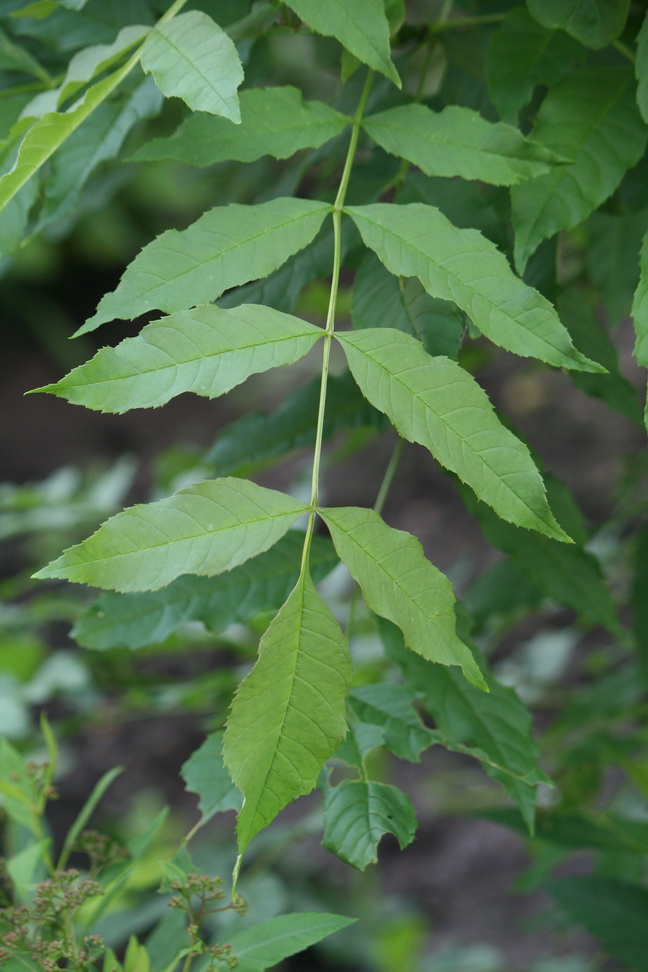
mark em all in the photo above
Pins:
pixel 382 300
pixel 287 716
pixel 594 23
pixel 494 726
pixel 274 121
pixel 205 775
pixel 357 813
pixel 205 529
pixel 261 584
pixel 521 55
pixel 269 942
pixel 192 58
pixel 207 350
pixel 361 28
pixel 591 118
pixel 389 705
pixel 459 142
pixel 462 266
pixel 398 583
pixel 435 402
pixel 227 246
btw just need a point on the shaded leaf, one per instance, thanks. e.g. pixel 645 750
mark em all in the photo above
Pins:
pixel 260 437
pixel 274 121
pixel 389 705
pixel 358 813
pixel 261 584
pixel 522 54
pixel 591 118
pixel 361 28
pixel 382 300
pixel 579 831
pixel 205 775
pixel 192 58
pixel 613 257
pixel 462 266
pixel 613 911
pixel 493 727
pixel 227 246
pixel 287 716
pixel 459 142
pixel 640 308
pixel 361 738
pixel 435 402
pixel 641 69
pixel 269 942
pixel 398 583
pixel 594 23
pixel 91 61
pixel 205 529
pixel 207 351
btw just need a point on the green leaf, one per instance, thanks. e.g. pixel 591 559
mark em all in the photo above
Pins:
pixel 382 300
pixel 49 132
pixel 88 63
pixel 192 58
pixel 613 911
pixel 269 942
pixel 14 57
pixel 260 584
pixel 591 118
pixel 205 529
pixel 435 402
pixel 398 583
pixel 204 774
pixel 641 69
pixel 493 727
pixel 521 54
pixel 462 266
pixel 594 23
pixel 274 121
pixel 258 437
pixel 361 28
pixel 579 831
pixel 640 308
pixel 227 246
pixel 361 738
pixel 613 257
pixel 389 705
pixel 86 812
pixel 357 813
pixel 459 142
pixel 207 351
pixel 287 717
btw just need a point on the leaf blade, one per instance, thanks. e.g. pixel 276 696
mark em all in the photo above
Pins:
pixel 225 247
pixel 205 529
pixel 271 941
pixel 397 582
pixel 594 23
pixel 434 402
pixel 192 58
pixel 358 813
pixel 462 266
pixel 287 717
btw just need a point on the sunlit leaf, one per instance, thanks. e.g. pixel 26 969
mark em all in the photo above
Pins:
pixel 192 58
pixel 274 121
pixel 207 351
pixel 398 583
pixel 287 716
pixel 435 402
pixel 227 246
pixel 205 529
pixel 462 266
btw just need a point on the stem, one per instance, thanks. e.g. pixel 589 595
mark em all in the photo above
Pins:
pixel 466 22
pixel 330 314
pixel 624 50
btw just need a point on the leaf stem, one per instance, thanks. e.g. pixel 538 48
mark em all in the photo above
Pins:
pixel 330 314
pixel 624 50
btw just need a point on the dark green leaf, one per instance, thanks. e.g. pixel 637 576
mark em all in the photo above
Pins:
pixel 594 23
pixel 435 402
pixel 580 831
pixel 382 300
pixel 389 705
pixel 462 266
pixel 641 69
pixel 205 529
pixel 204 774
pixel 591 118
pixel 227 246
pixel 260 584
pixel 358 813
pixel 274 121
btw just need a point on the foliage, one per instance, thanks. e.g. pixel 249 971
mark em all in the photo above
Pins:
pixel 461 144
